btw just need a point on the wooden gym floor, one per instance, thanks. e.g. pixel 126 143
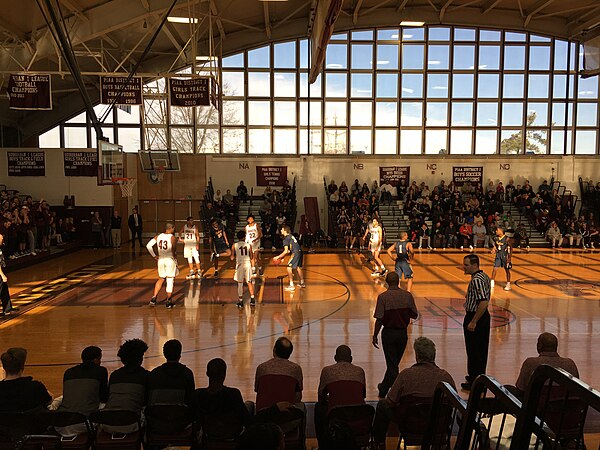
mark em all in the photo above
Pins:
pixel 101 298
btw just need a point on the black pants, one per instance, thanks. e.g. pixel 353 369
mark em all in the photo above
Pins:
pixel 394 342
pixel 321 423
pixel 134 231
pixel 381 421
pixel 5 297
pixel 477 345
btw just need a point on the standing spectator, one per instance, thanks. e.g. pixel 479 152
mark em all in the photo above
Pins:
pixel 97 230
pixel 7 307
pixel 171 382
pixel 115 229
pixel 136 226
pixel 476 324
pixel 395 307
pixel 242 192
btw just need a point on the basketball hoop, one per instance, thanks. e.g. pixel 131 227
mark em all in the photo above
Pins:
pixel 126 185
pixel 159 173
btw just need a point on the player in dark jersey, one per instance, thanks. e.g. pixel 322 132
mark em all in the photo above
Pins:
pixel 503 252
pixel 404 254
pixel 219 244
pixel 291 246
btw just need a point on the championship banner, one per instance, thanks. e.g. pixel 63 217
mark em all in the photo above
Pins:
pixel 29 92
pixel 126 92
pixel 81 164
pixel 271 175
pixel 190 91
pixel 26 164
pixel 393 175
pixel 460 175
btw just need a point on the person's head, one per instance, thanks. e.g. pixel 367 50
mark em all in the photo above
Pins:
pixel 116 213
pixel 190 221
pixel 403 235
pixel 169 228
pixel 283 348
pixel 547 342
pixel 471 264
pixel 500 232
pixel 134 210
pixel 262 436
pixel 343 354
pixel 375 222
pixel 96 214
pixel 424 349
pixel 214 223
pixel 131 352
pixel 228 192
pixel 91 354
pixel 172 350
pixel 250 219
pixel 13 361
pixel 241 182
pixel 241 235
pixel 216 370
pixel 285 230
pixel 392 279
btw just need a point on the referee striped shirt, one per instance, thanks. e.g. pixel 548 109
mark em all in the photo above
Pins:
pixel 478 291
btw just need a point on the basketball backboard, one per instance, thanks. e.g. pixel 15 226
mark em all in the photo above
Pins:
pixel 110 162
pixel 154 160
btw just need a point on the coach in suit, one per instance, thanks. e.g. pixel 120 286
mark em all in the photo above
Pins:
pixel 135 225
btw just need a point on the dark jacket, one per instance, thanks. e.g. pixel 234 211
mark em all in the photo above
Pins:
pixel 131 222
pixel 172 382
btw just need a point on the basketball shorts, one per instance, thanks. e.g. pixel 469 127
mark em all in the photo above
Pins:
pixel 167 267
pixel 403 267
pixel 500 261
pixel 221 247
pixel 243 272
pixel 374 246
pixel 296 260
pixel 255 245
pixel 190 252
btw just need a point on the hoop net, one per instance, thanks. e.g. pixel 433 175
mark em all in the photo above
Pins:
pixel 126 185
pixel 160 173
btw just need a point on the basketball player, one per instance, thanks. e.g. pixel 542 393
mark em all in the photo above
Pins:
pixel 243 266
pixel 218 243
pixel 167 262
pixel 404 254
pixel 375 242
pixel 253 236
pixel 292 247
pixel 191 244
pixel 503 252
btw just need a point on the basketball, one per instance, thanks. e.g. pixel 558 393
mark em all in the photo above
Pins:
pixel 276 261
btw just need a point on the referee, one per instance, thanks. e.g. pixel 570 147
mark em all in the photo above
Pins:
pixel 476 326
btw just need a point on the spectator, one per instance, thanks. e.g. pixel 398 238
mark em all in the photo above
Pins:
pixel 7 306
pixel 480 233
pixel 554 236
pixel 278 365
pixel 521 236
pixel 242 192
pixel 228 198
pixel 97 229
pixel 136 225
pixel 332 187
pixel 342 371
pixel 218 197
pixel 547 348
pixel 218 400
pixel 19 393
pixel 416 382
pixel 424 234
pixel 85 388
pixel 451 235
pixel 171 382
pixel 115 229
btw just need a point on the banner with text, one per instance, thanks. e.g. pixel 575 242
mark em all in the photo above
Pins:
pixel 393 175
pixel 29 92
pixel 189 91
pixel 26 164
pixel 126 92
pixel 81 164
pixel 271 175
pixel 460 175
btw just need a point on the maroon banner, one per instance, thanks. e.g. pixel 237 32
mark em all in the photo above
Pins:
pixel 461 175
pixel 26 164
pixel 126 92
pixel 29 92
pixel 81 164
pixel 392 175
pixel 271 175
pixel 189 91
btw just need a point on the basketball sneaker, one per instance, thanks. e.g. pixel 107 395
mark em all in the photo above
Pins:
pixel 375 273
pixel 153 301
pixel 507 287
pixel 216 273
pixel 290 288
pixel 302 285
pixel 198 274
pixel 252 301
pixel 240 303
pixel 170 304
pixel 383 272
pixel 191 276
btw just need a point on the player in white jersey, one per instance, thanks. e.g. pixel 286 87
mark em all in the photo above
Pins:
pixel 167 262
pixel 243 268
pixel 253 235
pixel 375 243
pixel 191 243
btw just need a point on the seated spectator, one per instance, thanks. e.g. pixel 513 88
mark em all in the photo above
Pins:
pixel 416 382
pixel 262 436
pixel 349 390
pixel 465 234
pixel 218 197
pixel 424 234
pixel 521 236
pixel 451 235
pixel 242 192
pixel 128 385
pixel 480 234
pixel 228 198
pixel 85 388
pixel 218 400
pixel 269 393
pixel 547 348
pixel 19 393
pixel 554 236
pixel 438 237
pixel 171 382
pixel 331 187
pixel 7 306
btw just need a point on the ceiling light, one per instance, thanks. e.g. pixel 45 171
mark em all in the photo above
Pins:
pixel 174 19
pixel 382 63
pixel 434 62
pixel 412 23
